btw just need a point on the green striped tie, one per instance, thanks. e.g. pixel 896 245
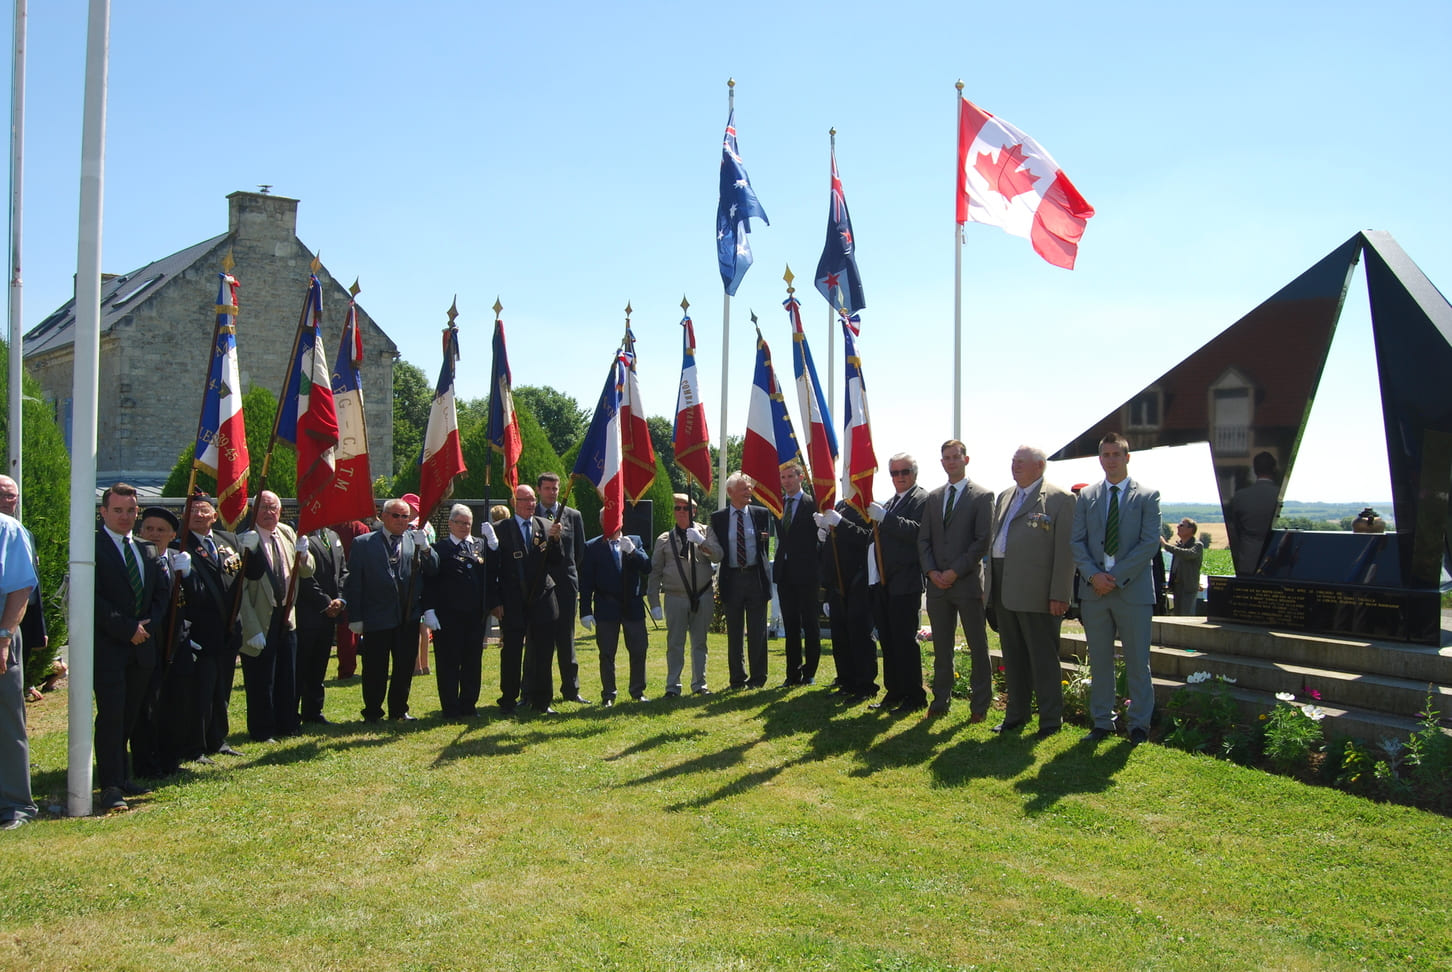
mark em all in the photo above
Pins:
pixel 948 511
pixel 1111 525
pixel 133 574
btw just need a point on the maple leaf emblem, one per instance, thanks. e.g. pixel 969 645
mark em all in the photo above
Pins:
pixel 1007 177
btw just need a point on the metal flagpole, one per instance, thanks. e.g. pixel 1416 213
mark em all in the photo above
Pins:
pixel 957 291
pixel 17 155
pixel 83 437
pixel 831 324
pixel 725 349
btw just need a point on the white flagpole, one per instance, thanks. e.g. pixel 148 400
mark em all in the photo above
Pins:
pixel 17 155
pixel 725 349
pixel 83 435
pixel 957 288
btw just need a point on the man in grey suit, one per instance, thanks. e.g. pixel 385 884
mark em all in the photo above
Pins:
pixel 897 593
pixel 957 526
pixel 1250 514
pixel 1116 533
pixel 1033 582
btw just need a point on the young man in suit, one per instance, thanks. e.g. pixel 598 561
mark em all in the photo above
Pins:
pixel 385 588
pixel 796 569
pixel 896 590
pixel 522 598
pixel 845 539
pixel 319 605
pixel 1251 513
pixel 612 573
pixel 737 539
pixel 131 602
pixel 957 525
pixel 566 574
pixel 1116 533
pixel 453 602
pixel 1032 583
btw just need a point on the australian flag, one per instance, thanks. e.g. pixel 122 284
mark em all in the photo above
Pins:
pixel 734 211
pixel 837 276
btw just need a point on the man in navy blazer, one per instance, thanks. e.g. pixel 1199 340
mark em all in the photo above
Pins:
pixel 453 601
pixel 1116 533
pixel 796 570
pixel 612 578
pixel 522 595
pixel 131 601
pixel 384 591
pixel 742 581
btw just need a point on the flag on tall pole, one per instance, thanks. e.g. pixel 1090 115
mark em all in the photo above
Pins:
pixel 771 442
pixel 443 456
pixel 221 449
pixel 503 425
pixel 308 419
pixel 600 454
pixel 1008 180
pixel 837 276
pixel 859 462
pixel 734 210
pixel 350 497
pixel 690 439
pixel 637 452
pixel 816 420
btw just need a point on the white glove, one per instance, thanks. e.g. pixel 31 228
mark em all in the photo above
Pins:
pixel 627 546
pixel 817 519
pixel 356 627
pixel 431 618
pixel 832 518
pixel 694 535
pixel 250 541
pixel 821 534
pixel 826 609
pixel 258 641
pixel 486 532
pixel 657 613
pixel 181 562
pixel 589 622
pixel 877 511
pixel 301 547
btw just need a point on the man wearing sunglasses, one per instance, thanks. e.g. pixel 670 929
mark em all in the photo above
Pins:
pixel 895 586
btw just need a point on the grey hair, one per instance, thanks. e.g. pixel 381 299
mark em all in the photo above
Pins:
pixel 738 477
pixel 1038 454
pixel 907 458
pixel 459 508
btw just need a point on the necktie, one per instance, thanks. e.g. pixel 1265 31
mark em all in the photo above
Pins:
pixel 952 497
pixel 133 573
pixel 615 551
pixel 740 538
pixel 279 569
pixel 1111 525
pixel 786 518
pixel 550 515
pixel 211 547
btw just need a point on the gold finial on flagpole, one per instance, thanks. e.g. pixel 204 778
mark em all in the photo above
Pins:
pixel 959 85
pixel 789 277
pixel 627 313
pixel 355 289
pixel 753 320
pixel 453 311
pixel 227 262
pixel 685 305
pixel 497 308
pixel 730 82
pixel 317 263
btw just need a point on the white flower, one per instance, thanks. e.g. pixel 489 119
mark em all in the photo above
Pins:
pixel 1313 712
pixel 1226 679
pixel 1285 696
pixel 1197 678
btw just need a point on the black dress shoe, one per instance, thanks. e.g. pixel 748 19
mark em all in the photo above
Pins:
pixel 808 680
pixel 1137 736
pixel 910 707
pixel 14 823
pixel 1047 732
pixel 226 750
pixel 549 710
pixel 641 698
pixel 577 698
pixel 701 691
pixel 1007 727
pixel 112 800
pixel 506 710
pixel 204 761
pixel 888 702
pixel 319 720
pixel 1097 735
pixel 738 685
pixel 672 695
pixel 406 717
pixel 608 703
pixel 760 684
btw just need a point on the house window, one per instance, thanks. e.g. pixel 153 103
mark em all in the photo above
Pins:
pixel 1144 410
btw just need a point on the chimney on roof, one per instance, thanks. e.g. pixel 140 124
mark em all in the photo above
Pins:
pixel 261 216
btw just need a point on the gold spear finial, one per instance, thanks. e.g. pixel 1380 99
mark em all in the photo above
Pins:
pixel 959 85
pixel 685 305
pixel 627 312
pixel 753 318
pixel 317 263
pixel 227 262
pixel 730 82
pixel 355 289
pixel 789 277
pixel 832 131
pixel 497 307
pixel 453 310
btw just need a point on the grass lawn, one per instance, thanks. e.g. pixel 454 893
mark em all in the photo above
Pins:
pixel 743 830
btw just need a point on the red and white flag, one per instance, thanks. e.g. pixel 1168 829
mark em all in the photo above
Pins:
pixel 309 419
pixel 637 453
pixel 691 440
pixel 221 448
pixel 443 456
pixel 859 460
pixel 1008 180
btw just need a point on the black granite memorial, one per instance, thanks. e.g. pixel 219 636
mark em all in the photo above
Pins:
pixel 1248 393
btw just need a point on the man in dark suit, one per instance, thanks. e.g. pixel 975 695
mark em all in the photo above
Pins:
pixel 131 601
pixel 845 537
pixel 212 610
pixel 157 748
pixel 612 577
pixel 895 586
pixel 1251 513
pixel 1033 581
pixel 319 605
pixel 737 539
pixel 453 601
pixel 566 576
pixel 796 569
pixel 385 590
pixel 956 528
pixel 522 597
pixel 1116 533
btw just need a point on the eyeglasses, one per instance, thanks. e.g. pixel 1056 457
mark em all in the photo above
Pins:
pixel 680 509
pixel 400 516
pixel 902 472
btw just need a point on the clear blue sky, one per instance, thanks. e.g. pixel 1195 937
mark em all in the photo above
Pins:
pixel 565 159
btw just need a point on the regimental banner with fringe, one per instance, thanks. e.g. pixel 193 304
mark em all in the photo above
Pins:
pixel 309 419
pixel 637 453
pixel 350 497
pixel 690 438
pixel 503 426
pixel 816 420
pixel 443 456
pixel 221 449
pixel 771 442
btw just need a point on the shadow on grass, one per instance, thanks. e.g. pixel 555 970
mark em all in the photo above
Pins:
pixel 662 739
pixel 1082 768
pixel 914 745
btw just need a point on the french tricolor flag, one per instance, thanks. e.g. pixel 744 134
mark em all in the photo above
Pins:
pixel 222 436
pixel 859 462
pixel 821 439
pixel 600 453
pixel 443 457
pixel 691 440
pixel 770 440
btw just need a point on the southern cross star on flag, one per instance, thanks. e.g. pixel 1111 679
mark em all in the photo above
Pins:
pixel 1008 180
pixel 837 276
pixel 737 204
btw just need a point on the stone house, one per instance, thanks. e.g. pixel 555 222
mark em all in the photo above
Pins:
pixel 156 339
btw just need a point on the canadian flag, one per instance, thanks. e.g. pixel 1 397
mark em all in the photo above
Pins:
pixel 1008 180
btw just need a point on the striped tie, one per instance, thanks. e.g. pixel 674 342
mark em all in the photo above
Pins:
pixel 1111 525
pixel 948 512
pixel 133 574
pixel 740 539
